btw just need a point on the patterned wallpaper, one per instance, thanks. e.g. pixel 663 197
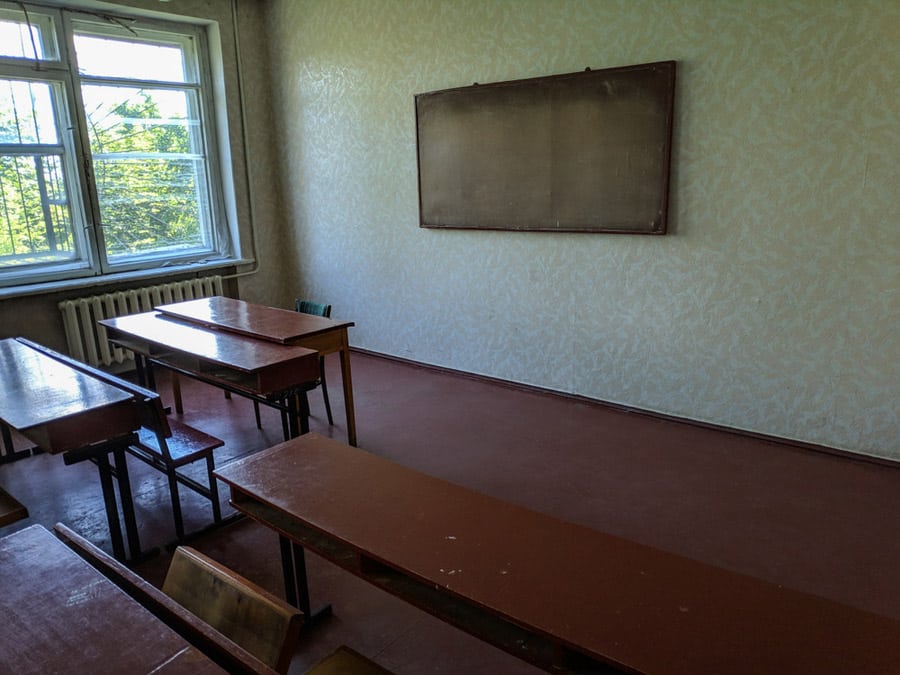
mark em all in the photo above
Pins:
pixel 772 305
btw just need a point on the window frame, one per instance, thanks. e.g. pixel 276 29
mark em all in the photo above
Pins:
pixel 83 196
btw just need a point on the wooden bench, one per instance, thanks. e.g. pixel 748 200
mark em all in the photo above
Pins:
pixel 11 509
pixel 165 444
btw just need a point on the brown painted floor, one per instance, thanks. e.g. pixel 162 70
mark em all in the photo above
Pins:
pixel 818 523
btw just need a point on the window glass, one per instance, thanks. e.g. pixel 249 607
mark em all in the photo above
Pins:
pixel 26 113
pixel 107 57
pixel 36 219
pixel 105 162
pixel 27 36
pixel 150 181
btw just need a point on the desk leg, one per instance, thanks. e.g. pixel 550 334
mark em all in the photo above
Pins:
pixel 347 383
pixel 112 509
pixel 303 411
pixel 297 415
pixel 140 369
pixel 296 590
pixel 176 392
pixel 144 369
pixel 125 496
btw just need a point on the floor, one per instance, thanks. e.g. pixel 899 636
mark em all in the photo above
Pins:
pixel 814 522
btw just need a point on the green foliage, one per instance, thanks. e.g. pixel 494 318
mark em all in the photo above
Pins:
pixel 148 180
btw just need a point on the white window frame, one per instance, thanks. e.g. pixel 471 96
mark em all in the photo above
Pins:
pixel 221 237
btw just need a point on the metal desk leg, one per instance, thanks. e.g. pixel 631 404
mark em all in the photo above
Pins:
pixel 140 369
pixel 296 590
pixel 99 454
pixel 297 414
pixel 125 496
pixel 112 510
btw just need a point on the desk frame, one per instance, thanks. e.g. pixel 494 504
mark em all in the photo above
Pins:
pixel 239 316
pixel 294 416
pixel 560 595
pixel 110 476
pixel 296 537
pixel 77 437
pixel 255 369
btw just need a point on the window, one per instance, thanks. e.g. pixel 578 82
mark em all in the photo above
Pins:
pixel 107 146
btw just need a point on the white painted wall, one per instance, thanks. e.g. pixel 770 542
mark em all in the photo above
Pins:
pixel 771 306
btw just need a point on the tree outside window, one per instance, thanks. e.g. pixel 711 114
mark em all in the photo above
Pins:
pixel 104 157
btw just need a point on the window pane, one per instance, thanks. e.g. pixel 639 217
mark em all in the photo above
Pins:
pixel 26 113
pixel 34 212
pixel 107 57
pixel 17 41
pixel 149 169
pixel 150 206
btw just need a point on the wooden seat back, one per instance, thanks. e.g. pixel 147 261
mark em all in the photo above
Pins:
pixel 263 624
pixel 225 652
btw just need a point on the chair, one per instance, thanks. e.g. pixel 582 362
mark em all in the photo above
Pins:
pixel 316 309
pixel 319 309
pixel 245 613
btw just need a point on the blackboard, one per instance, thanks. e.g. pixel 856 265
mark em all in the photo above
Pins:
pixel 580 152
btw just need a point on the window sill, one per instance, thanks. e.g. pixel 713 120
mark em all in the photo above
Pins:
pixel 111 280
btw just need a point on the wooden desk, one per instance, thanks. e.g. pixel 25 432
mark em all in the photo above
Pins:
pixel 562 596
pixel 259 369
pixel 62 616
pixel 281 326
pixel 65 410
pixel 57 407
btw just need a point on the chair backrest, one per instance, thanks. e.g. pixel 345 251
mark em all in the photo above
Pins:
pixel 153 416
pixel 317 308
pixel 232 657
pixel 263 624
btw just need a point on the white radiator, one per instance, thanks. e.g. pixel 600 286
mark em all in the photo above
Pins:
pixel 87 339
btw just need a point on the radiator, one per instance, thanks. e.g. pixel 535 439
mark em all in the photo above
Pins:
pixel 87 339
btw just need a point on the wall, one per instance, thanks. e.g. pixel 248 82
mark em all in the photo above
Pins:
pixel 771 306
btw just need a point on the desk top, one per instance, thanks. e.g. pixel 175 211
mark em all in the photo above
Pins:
pixel 60 615
pixel 55 405
pixel 246 318
pixel 613 599
pixel 228 349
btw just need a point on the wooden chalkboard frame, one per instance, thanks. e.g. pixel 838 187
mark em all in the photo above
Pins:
pixel 580 152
